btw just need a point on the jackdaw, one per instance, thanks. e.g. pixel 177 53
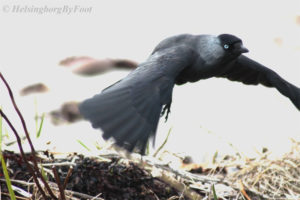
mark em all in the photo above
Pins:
pixel 129 110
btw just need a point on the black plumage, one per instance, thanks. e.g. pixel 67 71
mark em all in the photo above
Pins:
pixel 129 110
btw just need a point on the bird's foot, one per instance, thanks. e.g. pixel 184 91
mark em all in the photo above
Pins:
pixel 166 109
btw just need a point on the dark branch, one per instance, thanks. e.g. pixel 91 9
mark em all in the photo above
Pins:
pixel 36 169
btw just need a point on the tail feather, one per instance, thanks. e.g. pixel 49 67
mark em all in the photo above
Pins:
pixel 129 117
pixel 125 122
pixel 148 106
pixel 121 118
pixel 91 108
pixel 135 137
pixel 101 109
pixel 128 128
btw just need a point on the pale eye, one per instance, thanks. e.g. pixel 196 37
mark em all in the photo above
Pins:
pixel 226 46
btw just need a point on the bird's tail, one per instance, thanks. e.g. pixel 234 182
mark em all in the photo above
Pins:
pixel 128 115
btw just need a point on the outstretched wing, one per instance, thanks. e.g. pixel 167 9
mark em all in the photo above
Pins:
pixel 129 110
pixel 249 72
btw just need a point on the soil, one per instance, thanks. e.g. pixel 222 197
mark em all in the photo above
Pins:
pixel 113 180
pixel 109 177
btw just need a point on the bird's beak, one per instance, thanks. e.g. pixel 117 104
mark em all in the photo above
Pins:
pixel 239 48
pixel 244 49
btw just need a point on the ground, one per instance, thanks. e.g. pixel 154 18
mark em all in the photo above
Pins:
pixel 111 178
pixel 115 176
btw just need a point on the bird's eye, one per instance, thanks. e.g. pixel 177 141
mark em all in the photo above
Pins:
pixel 226 46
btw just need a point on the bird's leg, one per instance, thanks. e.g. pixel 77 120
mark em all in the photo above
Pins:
pixel 166 109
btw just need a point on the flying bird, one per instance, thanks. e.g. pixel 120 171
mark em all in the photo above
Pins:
pixel 129 110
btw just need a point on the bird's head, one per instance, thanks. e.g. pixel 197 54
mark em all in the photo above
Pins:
pixel 217 49
pixel 232 45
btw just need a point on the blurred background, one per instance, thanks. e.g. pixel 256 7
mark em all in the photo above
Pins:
pixel 206 117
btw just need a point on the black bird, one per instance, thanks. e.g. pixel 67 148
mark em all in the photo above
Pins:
pixel 129 110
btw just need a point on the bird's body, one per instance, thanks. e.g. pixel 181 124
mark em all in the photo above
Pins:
pixel 129 110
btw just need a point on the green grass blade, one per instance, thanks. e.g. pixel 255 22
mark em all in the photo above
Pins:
pixel 163 144
pixel 81 143
pixel 38 134
pixel 147 149
pixel 44 173
pixel 214 160
pixel 5 172
pixel 214 192
pixel 7 179
pixel 97 145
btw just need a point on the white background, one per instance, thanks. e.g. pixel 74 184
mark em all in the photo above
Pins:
pixel 205 116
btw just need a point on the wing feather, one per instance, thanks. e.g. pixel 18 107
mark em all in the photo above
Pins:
pixel 250 72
